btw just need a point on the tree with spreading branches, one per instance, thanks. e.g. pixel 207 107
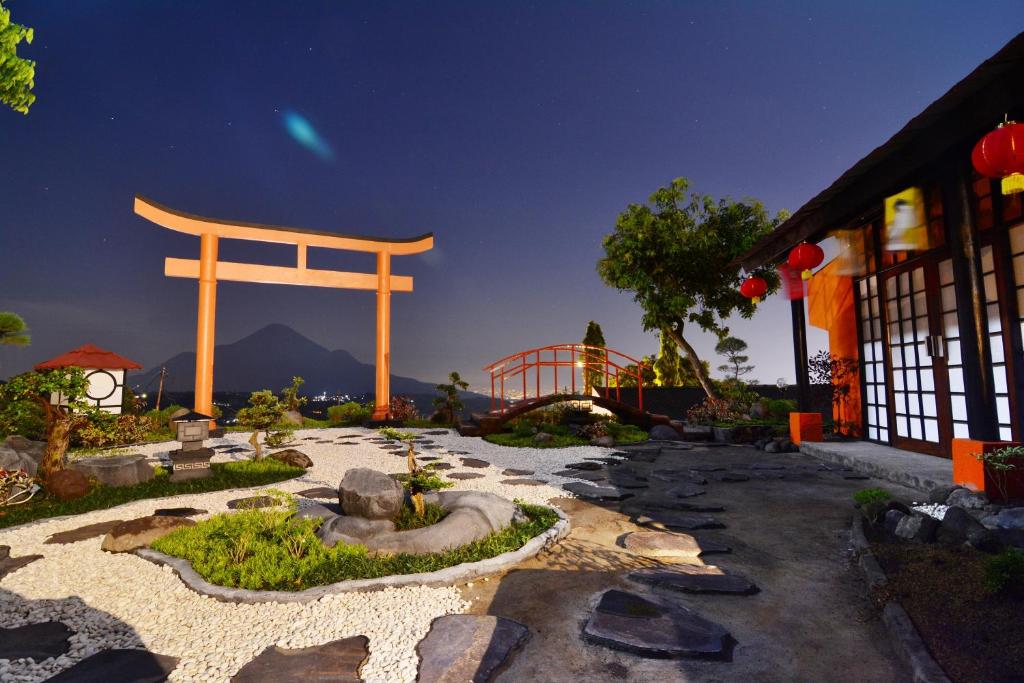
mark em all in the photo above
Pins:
pixel 676 256
pixel 17 74
pixel 733 350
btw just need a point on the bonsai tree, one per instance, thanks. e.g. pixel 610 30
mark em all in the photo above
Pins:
pixel 448 403
pixel 12 330
pixel 17 75
pixel 263 412
pixel 416 473
pixel 70 385
pixel 733 348
pixel 290 395
pixel 676 256
pixel 593 360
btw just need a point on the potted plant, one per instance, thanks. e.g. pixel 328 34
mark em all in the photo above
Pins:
pixel 995 467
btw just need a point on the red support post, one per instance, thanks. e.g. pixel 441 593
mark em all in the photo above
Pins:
pixel 572 368
pixel 536 360
pixel 524 376
pixel 503 390
pixel 554 366
pixel 492 391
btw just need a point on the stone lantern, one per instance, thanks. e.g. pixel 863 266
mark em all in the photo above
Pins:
pixel 192 460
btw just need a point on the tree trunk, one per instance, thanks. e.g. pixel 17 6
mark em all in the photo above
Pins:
pixel 698 367
pixel 255 441
pixel 58 437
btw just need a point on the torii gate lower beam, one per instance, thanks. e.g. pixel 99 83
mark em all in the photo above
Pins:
pixel 208 270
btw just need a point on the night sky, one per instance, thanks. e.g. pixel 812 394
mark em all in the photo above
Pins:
pixel 515 132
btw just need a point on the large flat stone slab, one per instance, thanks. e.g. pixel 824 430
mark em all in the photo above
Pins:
pixel 337 661
pixel 686 491
pixel 686 521
pixel 918 471
pixel 82 533
pixel 319 492
pixel 582 474
pixel 35 641
pixel 523 482
pixel 10 564
pixel 512 472
pixel 119 666
pixel 653 628
pixel 179 512
pixel 475 462
pixel 695 579
pixel 586 465
pixel 465 475
pixel 463 648
pixel 591 492
pixel 667 544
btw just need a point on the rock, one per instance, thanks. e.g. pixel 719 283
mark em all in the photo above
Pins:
pixel 119 666
pixel 523 482
pixel 9 565
pixel 139 533
pixel 253 503
pixel 582 474
pixel 957 525
pixel 686 491
pixel 661 544
pixel 290 456
pixel 115 471
pixel 82 533
pixel 664 433
pixel 968 500
pixel 728 477
pixel 368 493
pixel 1010 518
pixel 441 466
pixel 292 417
pixel 511 472
pixel 670 519
pixel 543 437
pixel 592 492
pixel 686 476
pixel 650 628
pixel 179 512
pixel 690 578
pixel 337 661
pixel 180 412
pixel 319 512
pixel 896 505
pixel 653 501
pixel 917 527
pixel 318 492
pixel 603 441
pixel 893 519
pixel 772 447
pixel 36 641
pixel 13 460
pixel 465 475
pixel 467 648
pixel 67 485
pixel 474 462
pixel 985 540
pixel 940 494
pixel 351 530
pixel 586 466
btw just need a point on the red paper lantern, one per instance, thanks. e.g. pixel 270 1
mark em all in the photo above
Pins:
pixel 804 258
pixel 754 288
pixel 1000 154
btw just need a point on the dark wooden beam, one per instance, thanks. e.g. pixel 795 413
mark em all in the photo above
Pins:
pixel 803 383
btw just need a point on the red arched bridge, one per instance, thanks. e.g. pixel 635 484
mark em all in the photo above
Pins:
pixel 539 377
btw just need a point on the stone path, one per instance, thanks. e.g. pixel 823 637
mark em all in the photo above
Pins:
pixel 467 648
pixel 119 666
pixel 338 661
pixel 38 641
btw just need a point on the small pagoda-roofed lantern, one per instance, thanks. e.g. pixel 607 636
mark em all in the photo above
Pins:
pixel 105 370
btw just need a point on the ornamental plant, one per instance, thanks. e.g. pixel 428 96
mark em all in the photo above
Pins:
pixel 290 395
pixel 448 404
pixel 263 412
pixel 1000 463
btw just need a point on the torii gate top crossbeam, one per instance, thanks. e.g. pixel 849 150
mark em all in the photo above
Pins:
pixel 198 225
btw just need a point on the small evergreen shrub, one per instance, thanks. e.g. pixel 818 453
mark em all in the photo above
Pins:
pixel 872 495
pixel 348 413
pixel 408 519
pixel 1005 571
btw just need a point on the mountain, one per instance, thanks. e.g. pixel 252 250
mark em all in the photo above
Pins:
pixel 268 359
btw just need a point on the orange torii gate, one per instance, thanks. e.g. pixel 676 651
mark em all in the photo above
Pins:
pixel 208 270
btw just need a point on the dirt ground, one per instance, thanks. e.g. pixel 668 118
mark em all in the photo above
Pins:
pixel 810 622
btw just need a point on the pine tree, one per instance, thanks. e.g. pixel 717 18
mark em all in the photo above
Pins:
pixel 733 348
pixel 593 361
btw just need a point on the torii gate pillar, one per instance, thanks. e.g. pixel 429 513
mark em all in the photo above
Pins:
pixel 208 270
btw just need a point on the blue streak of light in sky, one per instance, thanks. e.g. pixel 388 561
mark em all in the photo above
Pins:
pixel 302 131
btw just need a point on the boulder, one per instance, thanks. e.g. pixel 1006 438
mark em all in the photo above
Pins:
pixel 368 493
pixel 917 527
pixel 119 470
pixel 969 500
pixel 13 460
pixel 318 511
pixel 67 485
pixel 292 417
pixel 985 540
pixel 350 530
pixel 290 456
pixel 543 437
pixel 139 533
pixel 893 519
pixel 603 441
pixel 940 494
pixel 957 525
pixel 1010 518
pixel 664 433
pixel 772 447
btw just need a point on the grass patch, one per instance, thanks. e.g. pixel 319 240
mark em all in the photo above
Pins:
pixel 262 550
pixel 872 495
pixel 521 436
pixel 230 475
pixel 514 440
pixel 408 519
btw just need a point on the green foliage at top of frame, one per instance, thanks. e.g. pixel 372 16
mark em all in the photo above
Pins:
pixel 872 495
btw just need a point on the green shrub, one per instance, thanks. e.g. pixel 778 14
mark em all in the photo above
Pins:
pixel 523 429
pixel 625 433
pixel 872 495
pixel 22 417
pixel 270 550
pixel 348 413
pixel 105 430
pixel 777 409
pixel 424 480
pixel 1005 571
pixel 279 436
pixel 408 519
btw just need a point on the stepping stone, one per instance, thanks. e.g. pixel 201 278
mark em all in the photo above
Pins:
pixel 178 512
pixel 855 476
pixel 459 452
pixel 728 476
pixel 523 482
pixel 10 564
pixel 309 438
pixel 591 466
pixel 695 579
pixel 430 447
pixel 338 660
pixel 252 503
pixel 465 475
pixel 666 544
pixel 475 462
pixel 511 472
pixel 686 491
pixel 673 476
pixel 676 449
pixel 120 666
pixel 319 492
pixel 348 443
pixel 586 476
pixel 237 449
pixel 652 628
pixel 82 533
pixel 441 466
pixel 639 506
pixel 427 458
pixel 36 641
pixel 606 460
pixel 707 468
pixel 437 432
pixel 679 520
pixel 767 466
pixel 467 648
pixel 765 475
pixel 591 492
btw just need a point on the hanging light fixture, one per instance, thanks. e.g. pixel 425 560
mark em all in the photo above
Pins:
pixel 804 258
pixel 1000 154
pixel 754 287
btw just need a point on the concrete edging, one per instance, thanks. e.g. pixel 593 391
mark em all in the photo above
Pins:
pixel 442 577
pixel 903 635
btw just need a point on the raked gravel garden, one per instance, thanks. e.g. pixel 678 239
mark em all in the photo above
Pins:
pixel 122 601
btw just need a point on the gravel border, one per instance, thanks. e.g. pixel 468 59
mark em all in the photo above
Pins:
pixel 903 635
pixel 442 577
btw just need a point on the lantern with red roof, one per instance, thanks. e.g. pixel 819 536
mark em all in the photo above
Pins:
pixel 804 258
pixel 1000 154
pixel 105 370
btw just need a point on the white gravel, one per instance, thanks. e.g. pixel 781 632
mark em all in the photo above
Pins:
pixel 115 601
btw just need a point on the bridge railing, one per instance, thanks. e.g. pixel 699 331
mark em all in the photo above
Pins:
pixel 590 361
